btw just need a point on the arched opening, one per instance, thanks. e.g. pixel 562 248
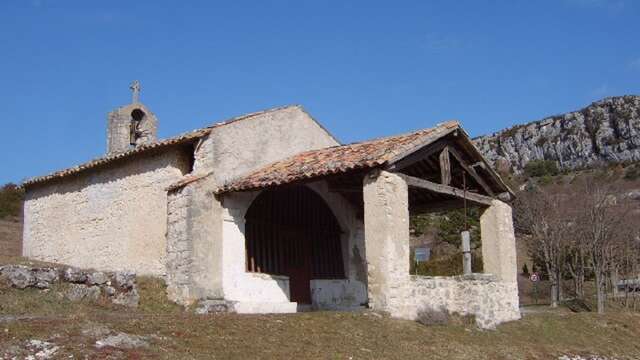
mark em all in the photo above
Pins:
pixel 137 116
pixel 292 232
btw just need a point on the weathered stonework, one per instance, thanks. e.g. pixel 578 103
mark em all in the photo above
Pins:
pixel 119 287
pixel 194 243
pixel 167 209
pixel 113 218
pixel 119 128
pixel 499 242
pixel 265 138
pixel 490 301
pixel 229 281
pixel 386 216
pixel 491 298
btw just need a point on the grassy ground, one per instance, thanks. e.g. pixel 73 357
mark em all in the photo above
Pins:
pixel 174 333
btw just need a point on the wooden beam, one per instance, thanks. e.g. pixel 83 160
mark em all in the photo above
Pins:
pixel 446 190
pixel 419 155
pixel 445 167
pixel 470 170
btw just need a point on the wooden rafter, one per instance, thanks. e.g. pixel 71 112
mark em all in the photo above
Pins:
pixel 445 166
pixel 470 170
pixel 419 155
pixel 446 190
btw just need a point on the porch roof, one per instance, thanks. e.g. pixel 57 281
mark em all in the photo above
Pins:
pixel 336 160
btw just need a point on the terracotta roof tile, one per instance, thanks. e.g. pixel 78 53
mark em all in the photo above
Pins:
pixel 180 139
pixel 338 159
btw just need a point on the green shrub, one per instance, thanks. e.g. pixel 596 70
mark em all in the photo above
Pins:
pixel 446 265
pixel 538 168
pixel 452 223
pixel 11 197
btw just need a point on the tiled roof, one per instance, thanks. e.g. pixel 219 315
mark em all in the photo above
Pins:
pixel 180 139
pixel 339 159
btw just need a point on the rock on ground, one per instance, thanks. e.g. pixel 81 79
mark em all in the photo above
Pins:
pixel 122 341
pixel 79 292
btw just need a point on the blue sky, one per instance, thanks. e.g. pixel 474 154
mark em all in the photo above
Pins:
pixel 362 68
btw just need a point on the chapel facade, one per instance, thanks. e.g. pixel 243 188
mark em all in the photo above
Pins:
pixel 269 213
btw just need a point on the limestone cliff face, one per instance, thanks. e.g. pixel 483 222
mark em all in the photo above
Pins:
pixel 607 131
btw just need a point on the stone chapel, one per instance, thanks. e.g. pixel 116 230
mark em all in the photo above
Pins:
pixel 269 213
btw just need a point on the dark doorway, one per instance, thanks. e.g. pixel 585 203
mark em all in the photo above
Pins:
pixel 292 232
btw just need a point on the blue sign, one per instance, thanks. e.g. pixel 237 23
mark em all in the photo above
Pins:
pixel 422 254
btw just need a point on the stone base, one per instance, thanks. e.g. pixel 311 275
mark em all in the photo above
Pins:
pixel 213 306
pixel 265 307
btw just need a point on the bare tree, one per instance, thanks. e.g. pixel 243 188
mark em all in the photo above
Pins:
pixel 601 222
pixel 540 215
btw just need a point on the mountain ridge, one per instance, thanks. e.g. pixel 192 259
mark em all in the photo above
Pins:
pixel 606 131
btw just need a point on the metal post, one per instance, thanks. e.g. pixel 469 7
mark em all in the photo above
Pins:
pixel 466 253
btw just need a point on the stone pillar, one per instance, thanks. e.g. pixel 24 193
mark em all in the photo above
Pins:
pixel 499 242
pixel 386 221
pixel 194 244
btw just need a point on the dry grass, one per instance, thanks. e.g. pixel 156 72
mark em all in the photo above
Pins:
pixel 175 333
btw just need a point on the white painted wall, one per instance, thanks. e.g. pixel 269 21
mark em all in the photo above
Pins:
pixel 240 285
pixel 338 294
pixel 243 146
pixel 112 218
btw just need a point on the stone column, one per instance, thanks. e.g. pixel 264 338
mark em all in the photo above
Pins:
pixel 386 221
pixel 499 242
pixel 194 244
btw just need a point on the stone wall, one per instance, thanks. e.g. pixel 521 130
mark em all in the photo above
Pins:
pixel 242 146
pixel 111 218
pixel 490 301
pixel 386 214
pixel 218 225
pixel 119 287
pixel 119 128
pixel 194 243
pixel 491 298
pixel 338 294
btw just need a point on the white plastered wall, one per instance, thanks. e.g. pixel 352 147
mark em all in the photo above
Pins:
pixel 112 218
pixel 242 286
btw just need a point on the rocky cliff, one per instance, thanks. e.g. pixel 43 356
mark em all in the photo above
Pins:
pixel 607 131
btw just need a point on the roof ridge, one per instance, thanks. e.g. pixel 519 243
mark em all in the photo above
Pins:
pixel 185 136
pixel 250 115
pixel 306 164
pixel 408 133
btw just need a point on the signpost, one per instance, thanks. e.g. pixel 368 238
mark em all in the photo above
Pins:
pixel 535 278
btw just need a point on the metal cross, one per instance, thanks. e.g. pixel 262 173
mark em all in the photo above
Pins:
pixel 135 90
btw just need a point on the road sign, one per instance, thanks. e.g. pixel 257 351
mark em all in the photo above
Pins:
pixel 534 277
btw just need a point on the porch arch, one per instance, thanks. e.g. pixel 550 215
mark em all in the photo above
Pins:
pixel 291 231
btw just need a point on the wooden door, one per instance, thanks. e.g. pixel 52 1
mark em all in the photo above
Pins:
pixel 299 266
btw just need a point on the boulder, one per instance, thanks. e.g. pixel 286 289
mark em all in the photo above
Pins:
pixel 97 278
pixel 44 277
pixel 77 292
pixel 122 341
pixel 18 276
pixel 125 280
pixel 74 275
